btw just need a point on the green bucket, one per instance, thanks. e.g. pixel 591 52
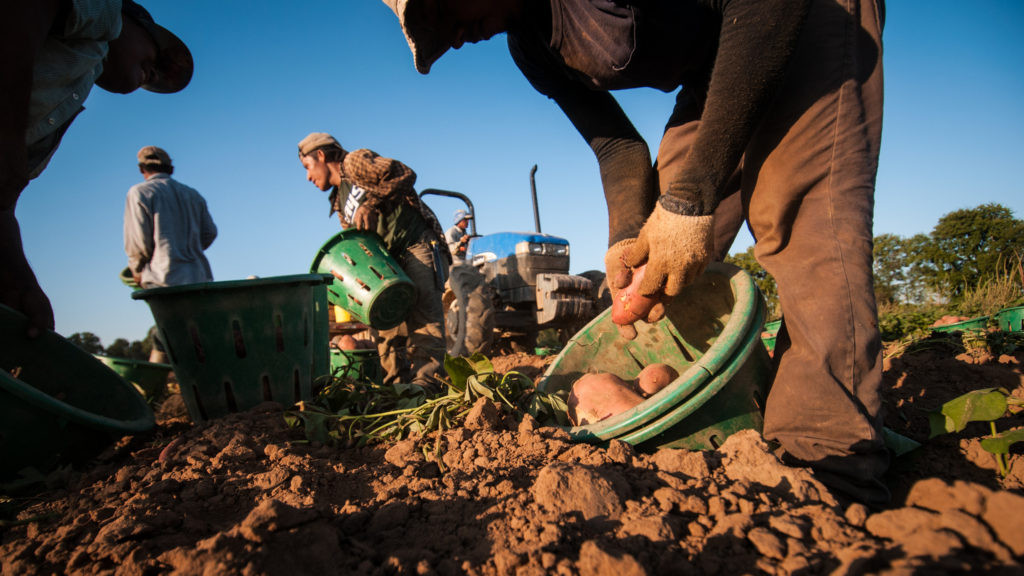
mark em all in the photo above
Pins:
pixel 356 365
pixel 367 280
pixel 1011 319
pixel 770 334
pixel 149 378
pixel 238 343
pixel 711 336
pixel 58 404
pixel 973 325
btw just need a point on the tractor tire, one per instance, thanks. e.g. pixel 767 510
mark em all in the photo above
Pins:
pixel 469 315
pixel 600 293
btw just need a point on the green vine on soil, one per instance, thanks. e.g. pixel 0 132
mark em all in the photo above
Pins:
pixel 357 412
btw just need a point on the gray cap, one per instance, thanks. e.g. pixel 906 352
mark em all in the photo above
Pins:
pixel 316 140
pixel 153 156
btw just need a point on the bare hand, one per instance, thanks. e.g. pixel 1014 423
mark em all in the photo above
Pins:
pixel 366 219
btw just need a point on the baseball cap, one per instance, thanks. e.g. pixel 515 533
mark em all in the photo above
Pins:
pixel 153 156
pixel 316 140
pixel 461 215
pixel 423 40
pixel 174 61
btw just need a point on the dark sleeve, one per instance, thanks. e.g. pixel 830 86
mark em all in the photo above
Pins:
pixel 622 154
pixel 757 39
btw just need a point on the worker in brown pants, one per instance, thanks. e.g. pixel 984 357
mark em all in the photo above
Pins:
pixel 777 121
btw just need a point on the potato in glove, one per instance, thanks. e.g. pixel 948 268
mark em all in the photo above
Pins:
pixel 676 248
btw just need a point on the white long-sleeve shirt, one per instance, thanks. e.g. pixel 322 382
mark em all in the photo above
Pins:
pixel 167 226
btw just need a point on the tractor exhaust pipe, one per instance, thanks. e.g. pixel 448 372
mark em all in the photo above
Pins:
pixel 533 191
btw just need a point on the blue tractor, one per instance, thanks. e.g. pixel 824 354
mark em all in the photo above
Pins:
pixel 513 285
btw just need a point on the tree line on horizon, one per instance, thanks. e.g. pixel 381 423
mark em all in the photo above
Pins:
pixel 967 251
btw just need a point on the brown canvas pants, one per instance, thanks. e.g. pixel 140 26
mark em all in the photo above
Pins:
pixel 806 190
pixel 413 352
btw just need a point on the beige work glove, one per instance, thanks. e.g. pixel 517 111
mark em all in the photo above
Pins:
pixel 676 248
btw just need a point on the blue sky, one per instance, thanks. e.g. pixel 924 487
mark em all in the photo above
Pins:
pixel 269 72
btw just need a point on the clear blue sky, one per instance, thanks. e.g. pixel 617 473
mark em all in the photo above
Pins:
pixel 269 72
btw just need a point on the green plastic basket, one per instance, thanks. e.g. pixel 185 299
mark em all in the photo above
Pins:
pixel 357 365
pixel 770 335
pixel 366 279
pixel 973 325
pixel 58 404
pixel 149 378
pixel 238 343
pixel 711 336
pixel 1011 319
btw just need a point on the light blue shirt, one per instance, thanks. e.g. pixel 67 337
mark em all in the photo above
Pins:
pixel 66 68
pixel 167 226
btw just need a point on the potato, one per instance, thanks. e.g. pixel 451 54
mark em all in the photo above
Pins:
pixel 629 304
pixel 346 342
pixel 595 397
pixel 653 378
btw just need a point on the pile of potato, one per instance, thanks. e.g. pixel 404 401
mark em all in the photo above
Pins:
pixel 595 397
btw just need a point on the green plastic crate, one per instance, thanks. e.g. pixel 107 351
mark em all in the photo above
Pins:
pixel 239 343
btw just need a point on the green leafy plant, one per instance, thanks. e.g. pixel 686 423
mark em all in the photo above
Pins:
pixel 358 412
pixel 985 405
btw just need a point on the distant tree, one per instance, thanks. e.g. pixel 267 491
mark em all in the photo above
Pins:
pixel 972 245
pixel 122 349
pixel 762 279
pixel 890 264
pixel 118 348
pixel 140 350
pixel 919 287
pixel 87 341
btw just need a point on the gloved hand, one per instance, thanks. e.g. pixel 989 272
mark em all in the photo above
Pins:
pixel 365 218
pixel 617 274
pixel 676 247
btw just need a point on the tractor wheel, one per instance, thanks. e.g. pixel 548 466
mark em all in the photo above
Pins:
pixel 600 293
pixel 469 315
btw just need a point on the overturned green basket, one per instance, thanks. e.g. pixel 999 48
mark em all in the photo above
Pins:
pixel 58 404
pixel 711 335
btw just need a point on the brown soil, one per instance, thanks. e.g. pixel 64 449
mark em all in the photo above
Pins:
pixel 247 495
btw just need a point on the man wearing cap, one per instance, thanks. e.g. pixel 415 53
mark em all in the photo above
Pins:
pixel 370 192
pixel 167 226
pixel 52 52
pixel 777 120
pixel 167 229
pixel 456 236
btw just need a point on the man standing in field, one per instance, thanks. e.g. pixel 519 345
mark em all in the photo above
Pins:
pixel 167 229
pixel 52 52
pixel 374 193
pixel 777 122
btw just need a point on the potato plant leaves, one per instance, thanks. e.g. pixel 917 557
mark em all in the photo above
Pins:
pixel 983 405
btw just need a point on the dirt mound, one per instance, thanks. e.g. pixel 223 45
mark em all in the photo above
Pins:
pixel 246 494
